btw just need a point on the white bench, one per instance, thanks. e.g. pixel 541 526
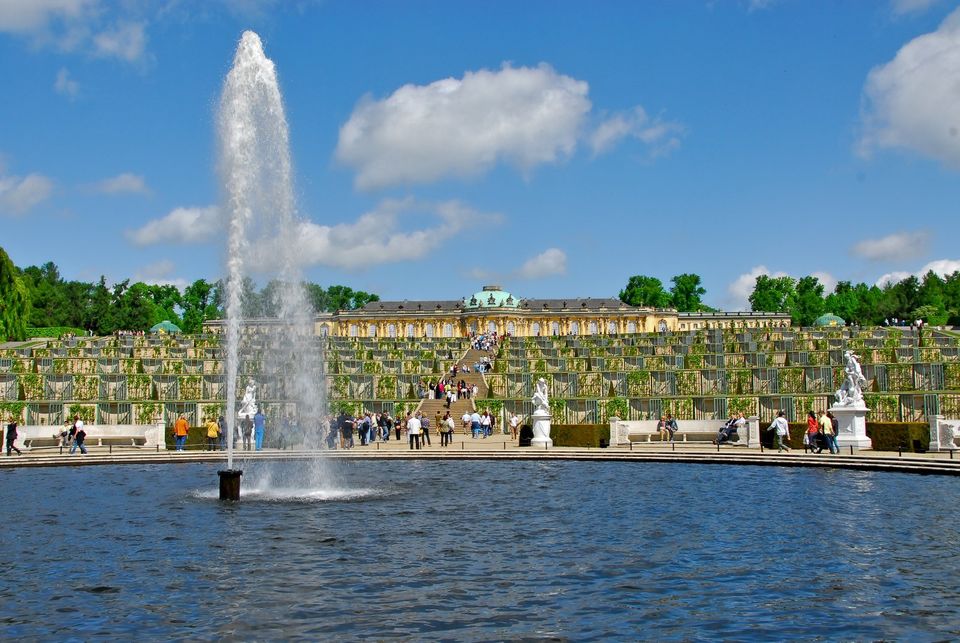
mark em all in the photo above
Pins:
pixel 623 432
pixel 40 436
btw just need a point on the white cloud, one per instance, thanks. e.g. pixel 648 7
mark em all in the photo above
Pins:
pixel 182 225
pixel 829 281
pixel 524 116
pixel 901 7
pixel 900 246
pixel 550 262
pixel 123 183
pixel 32 16
pixel 942 267
pixel 105 29
pixel 65 85
pixel 20 194
pixel 661 135
pixel 738 292
pixel 376 237
pixel 126 41
pixel 911 101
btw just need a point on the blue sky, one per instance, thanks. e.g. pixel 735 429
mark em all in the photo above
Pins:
pixel 555 148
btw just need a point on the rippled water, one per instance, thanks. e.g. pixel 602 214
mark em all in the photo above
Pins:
pixel 480 551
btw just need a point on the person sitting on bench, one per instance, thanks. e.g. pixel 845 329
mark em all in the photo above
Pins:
pixel 730 428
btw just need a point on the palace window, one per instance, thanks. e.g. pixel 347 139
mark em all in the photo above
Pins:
pixel 593 328
pixel 353 330
pixel 535 329
pixel 448 330
pixel 410 330
pixel 575 328
pixel 428 329
pixel 391 330
pixel 372 330
pixel 631 327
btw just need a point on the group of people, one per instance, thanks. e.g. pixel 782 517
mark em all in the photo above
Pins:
pixel 821 432
pixel 250 432
pixel 72 433
pixel 484 341
pixel 345 431
pixel 447 388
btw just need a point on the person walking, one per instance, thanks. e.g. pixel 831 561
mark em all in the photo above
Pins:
pixel 813 432
pixel 78 439
pixel 213 434
pixel 222 425
pixel 514 424
pixel 783 431
pixel 413 431
pixel 11 437
pixel 246 431
pixel 446 435
pixel 180 430
pixel 424 431
pixel 829 430
pixel 259 424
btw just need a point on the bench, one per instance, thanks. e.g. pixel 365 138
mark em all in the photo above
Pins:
pixel 624 432
pixel 134 436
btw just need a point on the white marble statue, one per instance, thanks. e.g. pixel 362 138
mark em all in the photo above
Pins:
pixel 541 403
pixel 248 405
pixel 948 435
pixel 851 391
pixel 541 416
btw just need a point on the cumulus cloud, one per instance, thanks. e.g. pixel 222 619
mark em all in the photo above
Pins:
pixel 548 263
pixel 525 116
pixel 662 136
pixel 902 7
pixel 829 281
pixel 19 194
pixel 911 101
pixel 181 225
pixel 126 41
pixel 107 29
pixel 520 116
pixel 125 183
pixel 942 267
pixel 377 236
pixel 65 85
pixel 900 246
pixel 32 16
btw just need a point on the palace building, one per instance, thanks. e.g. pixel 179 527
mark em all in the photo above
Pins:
pixel 494 309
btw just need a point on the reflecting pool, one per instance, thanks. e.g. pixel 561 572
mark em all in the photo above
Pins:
pixel 466 550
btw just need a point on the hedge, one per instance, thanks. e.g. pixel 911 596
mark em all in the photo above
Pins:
pixel 579 435
pixel 54 331
pixel 886 436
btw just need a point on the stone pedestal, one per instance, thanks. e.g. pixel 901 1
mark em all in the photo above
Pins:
pixel 541 430
pixel 943 434
pixel 851 426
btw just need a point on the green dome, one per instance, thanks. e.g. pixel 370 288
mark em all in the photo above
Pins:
pixel 165 326
pixel 492 297
pixel 829 320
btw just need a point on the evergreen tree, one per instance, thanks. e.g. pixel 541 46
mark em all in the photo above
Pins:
pixel 14 301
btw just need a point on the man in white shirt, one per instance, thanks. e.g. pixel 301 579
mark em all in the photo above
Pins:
pixel 466 421
pixel 514 423
pixel 413 430
pixel 783 431
pixel 475 423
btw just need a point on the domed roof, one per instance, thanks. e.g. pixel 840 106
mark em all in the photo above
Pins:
pixel 492 297
pixel 829 320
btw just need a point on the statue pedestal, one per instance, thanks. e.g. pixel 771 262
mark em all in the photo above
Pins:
pixel 852 426
pixel 541 430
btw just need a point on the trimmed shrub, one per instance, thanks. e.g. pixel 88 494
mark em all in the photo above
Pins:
pixel 579 435
pixel 888 436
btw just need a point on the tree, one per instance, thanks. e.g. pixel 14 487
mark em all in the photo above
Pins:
pixel 14 301
pixel 647 291
pixel 771 294
pixel 686 294
pixel 806 302
pixel 199 305
pixel 361 299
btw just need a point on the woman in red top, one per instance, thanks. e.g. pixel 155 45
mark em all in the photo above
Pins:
pixel 813 430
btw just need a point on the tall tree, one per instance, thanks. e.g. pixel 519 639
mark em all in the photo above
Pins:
pixel 806 302
pixel 686 294
pixel 642 290
pixel 771 294
pixel 199 305
pixel 14 301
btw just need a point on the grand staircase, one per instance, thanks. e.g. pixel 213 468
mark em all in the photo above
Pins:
pixel 431 408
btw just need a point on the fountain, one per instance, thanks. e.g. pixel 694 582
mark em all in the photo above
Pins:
pixel 259 205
